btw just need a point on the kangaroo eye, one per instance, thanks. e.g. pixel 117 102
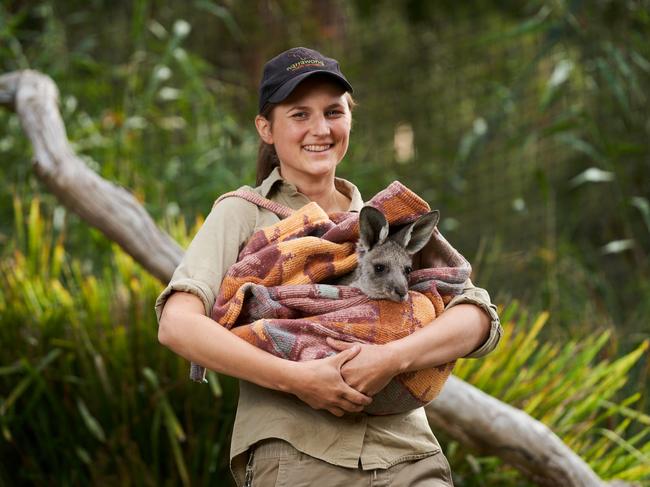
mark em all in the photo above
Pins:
pixel 379 268
pixel 408 269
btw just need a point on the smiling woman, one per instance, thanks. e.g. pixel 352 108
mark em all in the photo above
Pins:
pixel 298 423
pixel 310 132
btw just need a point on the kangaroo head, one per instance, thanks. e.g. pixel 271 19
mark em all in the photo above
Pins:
pixel 385 259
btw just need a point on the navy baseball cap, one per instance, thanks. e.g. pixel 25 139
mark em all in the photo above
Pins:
pixel 286 70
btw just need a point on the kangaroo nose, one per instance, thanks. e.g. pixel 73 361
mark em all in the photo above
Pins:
pixel 401 292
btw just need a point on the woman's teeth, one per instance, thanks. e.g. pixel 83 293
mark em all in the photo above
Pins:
pixel 317 148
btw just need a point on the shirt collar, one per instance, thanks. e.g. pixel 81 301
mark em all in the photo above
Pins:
pixel 270 181
pixel 346 187
pixel 351 191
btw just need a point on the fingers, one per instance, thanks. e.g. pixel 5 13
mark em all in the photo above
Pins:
pixel 357 398
pixel 350 393
pixel 344 407
pixel 339 344
pixel 326 389
pixel 346 355
pixel 350 402
pixel 336 411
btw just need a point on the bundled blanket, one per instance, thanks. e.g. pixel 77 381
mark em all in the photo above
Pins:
pixel 279 295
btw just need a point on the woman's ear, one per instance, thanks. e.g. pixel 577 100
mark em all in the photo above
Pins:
pixel 263 126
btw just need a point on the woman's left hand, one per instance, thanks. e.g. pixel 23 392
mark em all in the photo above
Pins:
pixel 371 369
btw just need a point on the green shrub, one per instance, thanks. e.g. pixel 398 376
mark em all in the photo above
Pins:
pixel 571 388
pixel 86 395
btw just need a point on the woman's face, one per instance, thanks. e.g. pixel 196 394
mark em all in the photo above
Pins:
pixel 310 130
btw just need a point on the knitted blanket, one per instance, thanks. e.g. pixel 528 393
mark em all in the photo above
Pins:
pixel 281 294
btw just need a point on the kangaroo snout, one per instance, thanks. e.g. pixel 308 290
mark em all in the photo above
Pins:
pixel 400 293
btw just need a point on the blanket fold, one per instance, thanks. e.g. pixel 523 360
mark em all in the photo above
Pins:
pixel 281 294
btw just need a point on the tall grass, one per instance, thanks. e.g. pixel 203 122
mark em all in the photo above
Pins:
pixel 88 396
pixel 574 387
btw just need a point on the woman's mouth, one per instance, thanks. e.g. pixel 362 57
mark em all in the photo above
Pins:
pixel 317 147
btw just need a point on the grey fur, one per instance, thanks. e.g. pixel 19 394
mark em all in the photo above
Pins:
pixel 385 259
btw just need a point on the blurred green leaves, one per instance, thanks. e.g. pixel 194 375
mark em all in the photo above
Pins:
pixel 644 207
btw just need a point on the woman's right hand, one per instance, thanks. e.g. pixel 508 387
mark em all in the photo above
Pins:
pixel 319 383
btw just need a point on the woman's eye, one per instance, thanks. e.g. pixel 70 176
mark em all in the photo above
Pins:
pixel 408 269
pixel 299 115
pixel 334 113
pixel 379 268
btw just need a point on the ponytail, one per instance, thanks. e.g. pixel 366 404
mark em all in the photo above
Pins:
pixel 267 158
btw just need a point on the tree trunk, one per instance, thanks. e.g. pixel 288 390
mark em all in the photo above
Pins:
pixel 492 427
pixel 462 411
pixel 102 204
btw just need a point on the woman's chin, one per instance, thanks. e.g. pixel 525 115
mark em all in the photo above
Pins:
pixel 320 168
pixel 322 171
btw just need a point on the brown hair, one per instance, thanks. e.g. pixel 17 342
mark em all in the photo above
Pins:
pixel 267 158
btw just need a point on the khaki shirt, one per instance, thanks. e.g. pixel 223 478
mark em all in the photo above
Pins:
pixel 351 441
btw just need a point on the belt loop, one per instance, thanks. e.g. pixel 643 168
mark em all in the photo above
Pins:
pixel 248 479
pixel 374 474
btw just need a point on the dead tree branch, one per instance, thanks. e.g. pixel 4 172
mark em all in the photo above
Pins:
pixel 104 205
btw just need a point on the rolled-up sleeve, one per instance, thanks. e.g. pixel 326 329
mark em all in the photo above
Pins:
pixel 480 297
pixel 212 251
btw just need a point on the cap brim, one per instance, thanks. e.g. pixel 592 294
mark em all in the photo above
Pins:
pixel 286 89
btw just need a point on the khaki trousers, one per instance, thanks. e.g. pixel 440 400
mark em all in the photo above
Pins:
pixel 275 463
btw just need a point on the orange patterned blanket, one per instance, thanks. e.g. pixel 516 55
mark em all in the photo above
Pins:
pixel 278 295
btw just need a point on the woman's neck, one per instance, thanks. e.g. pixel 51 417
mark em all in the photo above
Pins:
pixel 322 191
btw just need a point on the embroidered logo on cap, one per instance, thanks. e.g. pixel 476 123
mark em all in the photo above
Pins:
pixel 304 63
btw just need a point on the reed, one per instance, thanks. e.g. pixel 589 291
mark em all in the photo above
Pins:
pixel 576 388
pixel 85 389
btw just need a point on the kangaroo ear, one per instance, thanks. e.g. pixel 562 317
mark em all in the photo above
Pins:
pixel 373 227
pixel 416 235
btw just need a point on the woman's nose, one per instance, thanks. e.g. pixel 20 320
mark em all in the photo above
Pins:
pixel 320 126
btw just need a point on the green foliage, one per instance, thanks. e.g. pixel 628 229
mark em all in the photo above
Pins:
pixel 85 395
pixel 88 395
pixel 151 121
pixel 568 386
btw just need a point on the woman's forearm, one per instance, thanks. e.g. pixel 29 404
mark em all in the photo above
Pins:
pixel 455 333
pixel 192 335
pixel 188 332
